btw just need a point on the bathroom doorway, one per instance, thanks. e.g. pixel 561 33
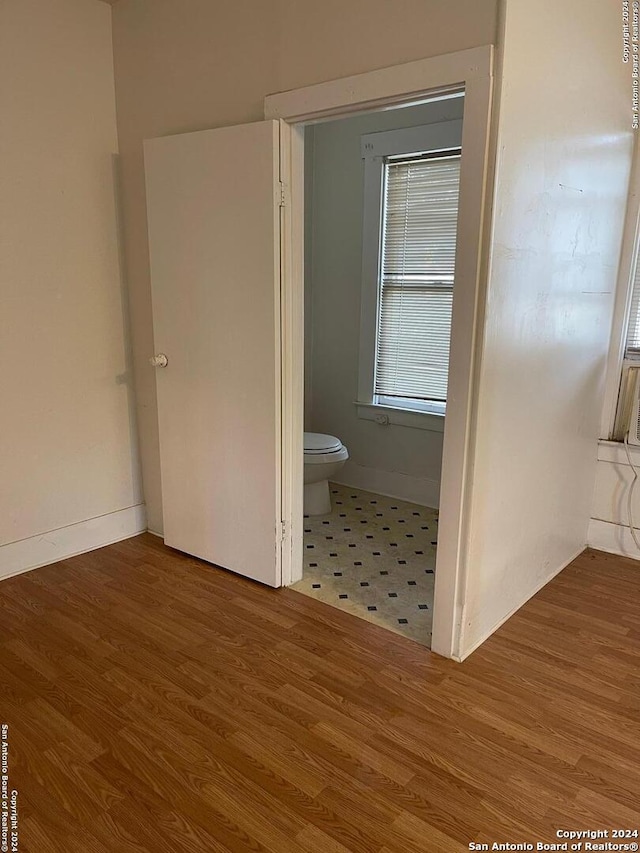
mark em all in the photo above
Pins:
pixel 381 196
pixel 390 89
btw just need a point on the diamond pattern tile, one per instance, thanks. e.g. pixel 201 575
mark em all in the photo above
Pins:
pixel 374 557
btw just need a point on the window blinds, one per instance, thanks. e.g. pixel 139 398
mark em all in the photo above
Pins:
pixel 632 346
pixel 416 283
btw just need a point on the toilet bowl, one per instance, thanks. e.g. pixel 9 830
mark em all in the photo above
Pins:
pixel 324 456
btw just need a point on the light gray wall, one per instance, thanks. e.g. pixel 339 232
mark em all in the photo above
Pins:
pixel 334 206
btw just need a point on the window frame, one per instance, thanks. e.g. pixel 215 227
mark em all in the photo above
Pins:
pixel 445 136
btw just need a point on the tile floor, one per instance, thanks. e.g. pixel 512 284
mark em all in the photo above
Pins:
pixel 374 557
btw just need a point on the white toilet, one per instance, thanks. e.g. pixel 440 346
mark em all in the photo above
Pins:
pixel 324 456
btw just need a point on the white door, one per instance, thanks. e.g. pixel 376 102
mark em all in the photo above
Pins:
pixel 213 202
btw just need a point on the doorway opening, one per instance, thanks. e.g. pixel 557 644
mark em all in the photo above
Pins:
pixel 381 200
pixel 390 89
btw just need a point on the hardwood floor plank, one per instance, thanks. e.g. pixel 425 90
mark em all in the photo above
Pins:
pixel 314 840
pixel 40 839
pixel 394 770
pixel 290 765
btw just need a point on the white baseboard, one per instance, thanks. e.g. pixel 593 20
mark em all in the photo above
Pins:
pixel 391 484
pixel 476 645
pixel 614 538
pixel 46 548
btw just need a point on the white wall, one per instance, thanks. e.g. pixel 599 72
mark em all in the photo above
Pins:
pixel 190 64
pixel 398 460
pixel 564 153
pixel 68 463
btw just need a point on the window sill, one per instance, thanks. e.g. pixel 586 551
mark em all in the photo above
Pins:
pixel 614 451
pixel 386 415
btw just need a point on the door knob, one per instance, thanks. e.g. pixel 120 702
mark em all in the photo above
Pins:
pixel 159 360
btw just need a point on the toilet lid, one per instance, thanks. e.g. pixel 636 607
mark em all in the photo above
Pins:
pixel 316 442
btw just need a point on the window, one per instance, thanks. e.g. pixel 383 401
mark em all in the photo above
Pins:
pixel 420 213
pixel 632 342
pixel 627 358
pixel 412 181
pixel 624 349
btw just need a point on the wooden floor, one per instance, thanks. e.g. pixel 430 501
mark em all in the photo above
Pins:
pixel 158 704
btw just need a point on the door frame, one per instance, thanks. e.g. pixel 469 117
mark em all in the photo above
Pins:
pixel 470 71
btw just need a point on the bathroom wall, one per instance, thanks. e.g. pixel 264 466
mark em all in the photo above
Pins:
pixel 69 476
pixel 401 461
pixel 186 65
